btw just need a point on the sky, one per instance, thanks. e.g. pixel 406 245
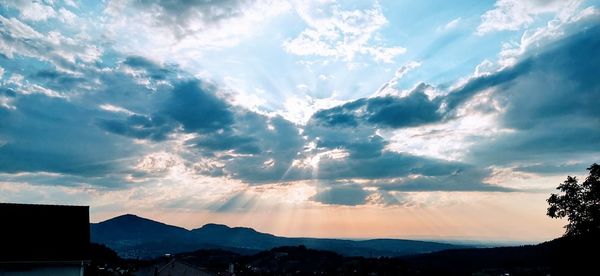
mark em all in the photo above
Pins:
pixel 355 119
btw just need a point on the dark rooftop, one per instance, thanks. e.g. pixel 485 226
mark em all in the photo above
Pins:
pixel 43 233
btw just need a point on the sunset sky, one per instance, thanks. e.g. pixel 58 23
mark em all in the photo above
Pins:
pixel 358 119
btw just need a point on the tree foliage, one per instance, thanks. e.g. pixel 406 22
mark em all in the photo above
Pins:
pixel 579 203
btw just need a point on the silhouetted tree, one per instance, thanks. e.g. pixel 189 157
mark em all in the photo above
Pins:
pixel 580 203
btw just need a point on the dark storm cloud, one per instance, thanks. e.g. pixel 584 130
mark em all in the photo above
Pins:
pixel 76 136
pixel 194 105
pixel 189 103
pixel 417 173
pixel 7 92
pixel 359 142
pixel 413 110
pixel 278 142
pixel 342 194
pixel 367 159
pixel 45 134
pixel 53 79
pixel 152 70
pixel 549 168
pixel 417 108
pixel 539 86
pixel 139 126
pixel 466 180
pixel 253 147
pixel 502 79
pixel 73 134
pixel 386 165
pixel 228 141
pixel 51 122
pixel 389 111
pixel 549 99
pixel 552 106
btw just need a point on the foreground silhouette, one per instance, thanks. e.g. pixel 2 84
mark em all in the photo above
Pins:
pixel 580 203
pixel 562 256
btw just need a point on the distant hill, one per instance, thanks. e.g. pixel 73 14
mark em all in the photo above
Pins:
pixel 562 256
pixel 136 237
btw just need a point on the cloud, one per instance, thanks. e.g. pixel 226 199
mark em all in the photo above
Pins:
pixel 450 25
pixel 189 104
pixel 46 134
pixel 74 140
pixel 515 15
pixel 342 194
pixel 386 165
pixel 185 18
pixel 359 153
pixel 180 31
pixel 32 10
pixel 258 149
pixel 138 126
pixel 343 34
pixel 417 108
pixel 73 113
pixel 388 111
pixel 543 35
pixel 59 81
pixel 389 88
pixel 149 68
pixel 556 169
pixel 461 180
pixel 268 147
pixel 51 122
pixel 18 38
pixel 558 124
pixel 241 144
pixel 67 17
pixel 175 109
pixel 478 84
pixel 404 69
pixel 414 109
pixel 360 142
pixel 562 121
pixel 197 109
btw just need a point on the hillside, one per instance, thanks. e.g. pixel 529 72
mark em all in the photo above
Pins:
pixel 136 237
pixel 562 256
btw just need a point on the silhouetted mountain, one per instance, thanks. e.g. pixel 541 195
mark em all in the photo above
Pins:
pixel 240 237
pixel 562 256
pixel 132 236
pixel 135 237
pixel 132 228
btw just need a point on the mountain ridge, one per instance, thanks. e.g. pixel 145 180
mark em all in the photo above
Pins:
pixel 132 236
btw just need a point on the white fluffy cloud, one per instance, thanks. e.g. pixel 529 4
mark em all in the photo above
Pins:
pixel 334 32
pixel 553 30
pixel 32 10
pixel 515 15
pixel 19 38
pixel 389 88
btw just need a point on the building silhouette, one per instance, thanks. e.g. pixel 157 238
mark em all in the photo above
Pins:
pixel 43 239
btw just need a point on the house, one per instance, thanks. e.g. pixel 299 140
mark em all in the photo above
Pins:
pixel 43 239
